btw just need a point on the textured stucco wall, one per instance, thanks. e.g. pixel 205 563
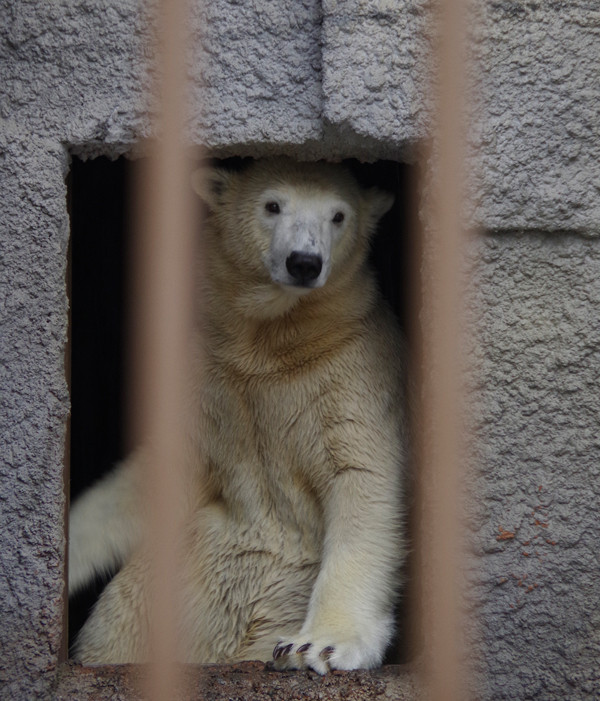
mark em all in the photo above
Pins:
pixel 335 78
pixel 34 402
pixel 539 134
pixel 536 529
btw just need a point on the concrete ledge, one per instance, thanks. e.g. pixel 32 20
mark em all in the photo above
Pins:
pixel 250 681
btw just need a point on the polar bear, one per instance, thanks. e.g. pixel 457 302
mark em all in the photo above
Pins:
pixel 293 551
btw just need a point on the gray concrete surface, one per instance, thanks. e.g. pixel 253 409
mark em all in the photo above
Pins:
pixel 535 529
pixel 332 79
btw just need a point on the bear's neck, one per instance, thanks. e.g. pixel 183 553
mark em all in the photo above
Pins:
pixel 292 331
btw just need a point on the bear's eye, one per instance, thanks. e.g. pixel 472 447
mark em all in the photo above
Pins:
pixel 338 218
pixel 272 207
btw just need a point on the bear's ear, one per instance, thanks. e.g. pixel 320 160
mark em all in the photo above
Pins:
pixel 379 202
pixel 210 184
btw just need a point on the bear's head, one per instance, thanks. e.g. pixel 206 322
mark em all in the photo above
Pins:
pixel 287 228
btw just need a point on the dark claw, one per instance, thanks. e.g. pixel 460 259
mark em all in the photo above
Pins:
pixel 326 653
pixel 303 648
pixel 281 651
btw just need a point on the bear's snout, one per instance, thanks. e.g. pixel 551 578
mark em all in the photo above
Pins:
pixel 304 267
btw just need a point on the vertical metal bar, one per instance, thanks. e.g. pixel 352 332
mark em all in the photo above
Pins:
pixel 442 405
pixel 163 288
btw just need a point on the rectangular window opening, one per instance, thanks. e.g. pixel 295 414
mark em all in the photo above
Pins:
pixel 100 200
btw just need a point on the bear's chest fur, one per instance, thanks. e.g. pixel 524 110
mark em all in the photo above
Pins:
pixel 266 447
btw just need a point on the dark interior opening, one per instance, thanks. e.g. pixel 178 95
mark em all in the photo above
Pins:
pixel 100 207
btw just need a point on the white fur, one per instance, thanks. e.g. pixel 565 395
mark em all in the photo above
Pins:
pixel 295 540
pixel 102 529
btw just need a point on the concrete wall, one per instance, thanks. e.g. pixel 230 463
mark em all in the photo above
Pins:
pixel 536 531
pixel 330 79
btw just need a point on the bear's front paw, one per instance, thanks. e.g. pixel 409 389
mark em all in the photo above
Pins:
pixel 322 655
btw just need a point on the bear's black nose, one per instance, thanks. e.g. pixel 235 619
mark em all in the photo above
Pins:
pixel 304 267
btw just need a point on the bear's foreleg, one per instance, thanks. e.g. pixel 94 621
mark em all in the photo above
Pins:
pixel 349 623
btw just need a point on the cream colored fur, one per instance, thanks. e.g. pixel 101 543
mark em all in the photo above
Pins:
pixel 294 547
